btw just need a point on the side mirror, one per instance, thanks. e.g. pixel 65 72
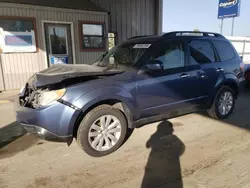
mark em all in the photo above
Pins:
pixel 154 65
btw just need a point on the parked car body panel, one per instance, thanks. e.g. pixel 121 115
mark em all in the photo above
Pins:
pixel 56 118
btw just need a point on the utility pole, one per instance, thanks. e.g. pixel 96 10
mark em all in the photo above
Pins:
pixel 232 31
pixel 221 26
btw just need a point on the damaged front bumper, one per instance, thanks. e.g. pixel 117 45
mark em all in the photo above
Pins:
pixel 45 134
pixel 54 122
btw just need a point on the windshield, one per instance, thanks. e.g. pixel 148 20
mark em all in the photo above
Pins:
pixel 122 56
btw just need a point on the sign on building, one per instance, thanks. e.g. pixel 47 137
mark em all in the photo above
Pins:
pixel 228 8
pixel 16 42
pixel 58 60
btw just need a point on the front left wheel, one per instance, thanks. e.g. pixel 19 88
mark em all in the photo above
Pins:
pixel 102 131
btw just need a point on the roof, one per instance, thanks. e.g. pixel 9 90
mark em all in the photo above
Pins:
pixel 73 4
pixel 192 33
pixel 144 39
pixel 175 34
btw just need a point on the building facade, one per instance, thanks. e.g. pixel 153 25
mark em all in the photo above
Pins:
pixel 130 18
pixel 36 34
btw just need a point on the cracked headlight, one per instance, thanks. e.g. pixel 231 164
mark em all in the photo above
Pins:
pixel 48 97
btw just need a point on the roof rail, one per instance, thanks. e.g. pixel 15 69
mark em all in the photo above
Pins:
pixel 139 36
pixel 186 33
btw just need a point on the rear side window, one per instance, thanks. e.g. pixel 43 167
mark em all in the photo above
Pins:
pixel 201 52
pixel 224 50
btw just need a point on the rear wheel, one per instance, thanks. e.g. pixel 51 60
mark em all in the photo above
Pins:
pixel 223 104
pixel 102 131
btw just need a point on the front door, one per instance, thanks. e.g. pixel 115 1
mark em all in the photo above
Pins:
pixel 168 89
pixel 58 44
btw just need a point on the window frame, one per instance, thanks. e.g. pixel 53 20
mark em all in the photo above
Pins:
pixel 32 19
pixel 216 56
pixel 81 36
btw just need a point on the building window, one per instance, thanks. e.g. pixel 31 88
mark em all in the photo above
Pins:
pixel 17 34
pixel 92 36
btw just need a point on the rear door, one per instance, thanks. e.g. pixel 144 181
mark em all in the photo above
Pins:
pixel 204 68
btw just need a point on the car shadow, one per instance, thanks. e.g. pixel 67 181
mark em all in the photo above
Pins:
pixel 9 134
pixel 241 115
pixel 163 167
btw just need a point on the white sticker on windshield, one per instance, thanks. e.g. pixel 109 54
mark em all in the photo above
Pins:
pixel 142 46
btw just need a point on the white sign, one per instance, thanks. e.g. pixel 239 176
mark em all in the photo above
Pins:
pixel 91 29
pixel 142 46
pixel 16 42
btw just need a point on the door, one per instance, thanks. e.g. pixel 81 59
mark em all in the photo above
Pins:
pixel 58 43
pixel 166 90
pixel 204 68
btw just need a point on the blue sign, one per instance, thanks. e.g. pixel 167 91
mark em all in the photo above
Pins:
pixel 59 60
pixel 228 8
pixel 18 40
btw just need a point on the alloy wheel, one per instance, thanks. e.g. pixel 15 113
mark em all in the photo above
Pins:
pixel 104 133
pixel 225 103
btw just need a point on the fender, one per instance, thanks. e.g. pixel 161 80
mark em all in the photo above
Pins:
pixel 107 93
pixel 226 79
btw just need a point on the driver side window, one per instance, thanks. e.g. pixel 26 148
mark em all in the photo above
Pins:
pixel 171 54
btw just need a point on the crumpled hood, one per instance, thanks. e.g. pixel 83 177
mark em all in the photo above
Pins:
pixel 59 73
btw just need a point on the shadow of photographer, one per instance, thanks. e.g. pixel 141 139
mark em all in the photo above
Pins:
pixel 163 167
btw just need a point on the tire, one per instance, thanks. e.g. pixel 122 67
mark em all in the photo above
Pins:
pixel 86 128
pixel 214 111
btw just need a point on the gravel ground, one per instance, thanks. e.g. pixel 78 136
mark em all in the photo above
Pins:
pixel 189 151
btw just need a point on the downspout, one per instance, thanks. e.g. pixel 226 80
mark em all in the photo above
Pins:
pixel 2 73
pixel 1 62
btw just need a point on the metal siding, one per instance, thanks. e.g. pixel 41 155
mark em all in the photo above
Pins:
pixel 133 18
pixel 127 19
pixel 18 67
pixel 130 18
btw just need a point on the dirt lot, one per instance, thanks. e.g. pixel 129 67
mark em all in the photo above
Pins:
pixel 198 152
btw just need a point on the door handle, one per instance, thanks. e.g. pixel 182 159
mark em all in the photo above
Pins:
pixel 219 69
pixel 203 76
pixel 184 75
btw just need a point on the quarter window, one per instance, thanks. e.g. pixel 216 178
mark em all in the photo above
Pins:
pixel 201 52
pixel 225 50
pixel 171 55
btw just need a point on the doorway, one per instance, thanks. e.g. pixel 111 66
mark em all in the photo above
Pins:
pixel 58 42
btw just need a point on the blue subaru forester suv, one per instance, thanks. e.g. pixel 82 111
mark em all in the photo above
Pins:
pixel 145 79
